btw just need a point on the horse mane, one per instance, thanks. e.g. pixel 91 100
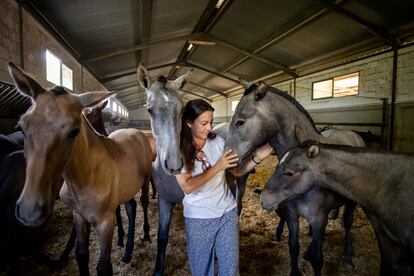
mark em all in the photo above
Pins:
pixel 287 97
pixel 351 149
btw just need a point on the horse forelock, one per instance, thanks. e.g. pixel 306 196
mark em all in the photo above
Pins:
pixel 57 91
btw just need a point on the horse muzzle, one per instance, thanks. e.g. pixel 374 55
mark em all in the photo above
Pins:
pixel 34 216
pixel 268 200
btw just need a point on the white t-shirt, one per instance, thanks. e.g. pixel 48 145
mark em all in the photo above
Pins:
pixel 213 199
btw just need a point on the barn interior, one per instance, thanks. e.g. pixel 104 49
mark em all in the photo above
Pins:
pixel 349 63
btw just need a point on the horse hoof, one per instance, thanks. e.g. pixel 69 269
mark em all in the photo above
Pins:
pixel 276 238
pixel 126 259
pixel 348 265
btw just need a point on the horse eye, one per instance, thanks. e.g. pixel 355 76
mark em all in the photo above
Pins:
pixel 289 173
pixel 73 133
pixel 150 111
pixel 239 123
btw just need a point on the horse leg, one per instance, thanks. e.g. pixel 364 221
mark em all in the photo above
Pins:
pixel 280 226
pixel 314 254
pixel 105 229
pixel 154 190
pixel 334 214
pixel 83 229
pixel 121 232
pixel 385 247
pixel 241 188
pixel 164 211
pixel 310 230
pixel 144 202
pixel 347 220
pixel 69 246
pixel 131 210
pixel 294 247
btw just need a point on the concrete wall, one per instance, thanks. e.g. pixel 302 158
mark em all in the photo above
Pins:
pixel 375 82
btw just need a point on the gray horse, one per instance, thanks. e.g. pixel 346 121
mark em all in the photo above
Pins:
pixel 268 115
pixel 381 182
pixel 165 107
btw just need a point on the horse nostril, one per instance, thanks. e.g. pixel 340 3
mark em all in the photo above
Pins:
pixel 43 210
pixel 17 211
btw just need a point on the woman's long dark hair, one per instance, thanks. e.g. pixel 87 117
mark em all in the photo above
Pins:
pixel 192 110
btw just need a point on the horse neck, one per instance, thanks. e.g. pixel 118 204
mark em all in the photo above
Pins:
pixel 81 160
pixel 287 116
pixel 355 175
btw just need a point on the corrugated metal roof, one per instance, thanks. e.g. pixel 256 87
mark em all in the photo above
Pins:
pixel 269 39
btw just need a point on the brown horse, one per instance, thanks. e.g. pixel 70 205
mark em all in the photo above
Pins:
pixel 100 172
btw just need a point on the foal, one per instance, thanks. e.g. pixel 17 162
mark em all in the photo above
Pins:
pixel 100 173
pixel 382 183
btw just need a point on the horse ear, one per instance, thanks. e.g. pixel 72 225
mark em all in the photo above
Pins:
pixel 313 151
pixel 144 78
pixel 89 99
pixel 244 83
pixel 182 80
pixel 300 134
pixel 260 91
pixel 26 84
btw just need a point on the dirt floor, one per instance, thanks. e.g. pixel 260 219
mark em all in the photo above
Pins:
pixel 259 254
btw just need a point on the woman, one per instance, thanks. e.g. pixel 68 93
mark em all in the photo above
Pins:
pixel 210 213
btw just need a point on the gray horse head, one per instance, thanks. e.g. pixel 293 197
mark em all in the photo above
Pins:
pixel 165 107
pixel 266 115
pixel 294 175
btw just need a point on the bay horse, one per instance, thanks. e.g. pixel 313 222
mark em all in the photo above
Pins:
pixel 381 182
pixel 267 115
pixel 100 172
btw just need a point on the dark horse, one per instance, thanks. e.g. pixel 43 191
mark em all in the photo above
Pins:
pixel 380 182
pixel 268 115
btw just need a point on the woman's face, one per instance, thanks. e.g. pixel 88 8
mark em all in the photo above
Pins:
pixel 201 126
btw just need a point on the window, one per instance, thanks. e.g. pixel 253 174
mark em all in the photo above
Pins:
pixel 346 85
pixel 114 106
pixel 234 105
pixel 57 72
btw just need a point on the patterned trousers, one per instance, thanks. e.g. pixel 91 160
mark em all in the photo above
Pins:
pixel 207 238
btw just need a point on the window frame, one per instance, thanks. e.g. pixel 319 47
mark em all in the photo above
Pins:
pixel 60 70
pixel 333 87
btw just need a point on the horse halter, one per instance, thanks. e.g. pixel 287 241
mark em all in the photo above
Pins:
pixel 201 156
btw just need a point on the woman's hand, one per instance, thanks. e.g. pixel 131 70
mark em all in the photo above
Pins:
pixel 263 152
pixel 227 160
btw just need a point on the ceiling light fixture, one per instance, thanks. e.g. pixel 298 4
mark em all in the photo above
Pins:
pixel 219 3
pixel 190 47
pixel 202 42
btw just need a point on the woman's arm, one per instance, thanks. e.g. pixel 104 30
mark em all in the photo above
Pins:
pixel 189 184
pixel 259 155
